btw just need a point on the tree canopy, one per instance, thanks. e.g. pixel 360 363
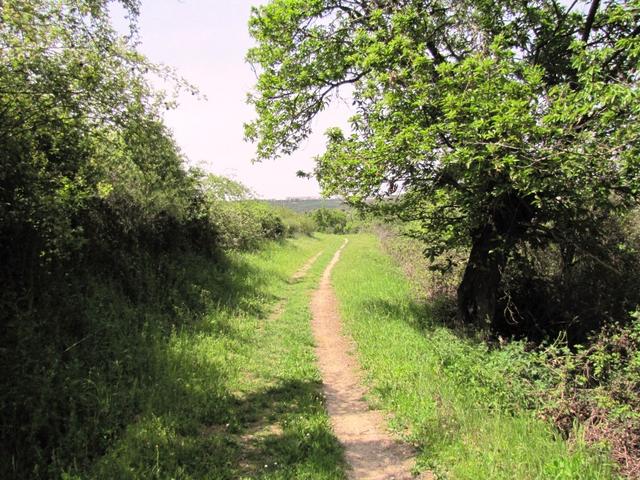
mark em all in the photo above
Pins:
pixel 79 126
pixel 490 123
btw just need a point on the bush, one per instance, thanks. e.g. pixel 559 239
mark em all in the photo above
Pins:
pixel 247 224
pixel 331 220
pixel 295 223
pixel 597 386
pixel 577 288
pixel 242 222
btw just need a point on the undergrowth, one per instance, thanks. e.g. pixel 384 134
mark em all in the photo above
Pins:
pixel 192 374
pixel 592 388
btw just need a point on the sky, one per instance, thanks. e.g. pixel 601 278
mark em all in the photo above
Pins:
pixel 206 42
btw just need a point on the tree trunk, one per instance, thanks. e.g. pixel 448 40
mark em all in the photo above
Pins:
pixel 478 291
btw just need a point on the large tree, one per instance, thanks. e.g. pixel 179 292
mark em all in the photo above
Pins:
pixel 489 122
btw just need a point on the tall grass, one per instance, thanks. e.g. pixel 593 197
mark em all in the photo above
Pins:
pixel 198 378
pixel 465 407
pixel 239 392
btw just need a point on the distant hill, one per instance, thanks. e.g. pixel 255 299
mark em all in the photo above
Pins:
pixel 308 204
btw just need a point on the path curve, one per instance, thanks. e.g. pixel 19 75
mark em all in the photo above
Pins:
pixel 370 451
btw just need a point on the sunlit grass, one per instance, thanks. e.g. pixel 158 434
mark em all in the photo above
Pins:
pixel 237 395
pixel 459 403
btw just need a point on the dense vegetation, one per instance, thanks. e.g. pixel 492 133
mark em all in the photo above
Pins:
pixel 337 221
pixel 108 244
pixel 503 127
pixel 589 392
pixel 242 222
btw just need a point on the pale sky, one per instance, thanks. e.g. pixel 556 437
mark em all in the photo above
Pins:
pixel 206 41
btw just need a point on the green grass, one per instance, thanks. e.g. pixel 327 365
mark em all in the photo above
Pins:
pixel 237 394
pixel 458 402
pixel 212 375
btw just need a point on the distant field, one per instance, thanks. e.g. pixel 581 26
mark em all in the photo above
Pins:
pixel 308 204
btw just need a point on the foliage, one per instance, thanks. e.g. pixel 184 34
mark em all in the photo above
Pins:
pixel 546 291
pixel 499 123
pixel 295 223
pixel 590 388
pixel 597 385
pixel 246 224
pixel 88 169
pixel 433 281
pixel 217 188
pixel 243 223
pixel 541 295
pixel 94 200
pixel 330 220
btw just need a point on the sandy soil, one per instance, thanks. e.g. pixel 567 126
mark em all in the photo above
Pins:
pixel 371 452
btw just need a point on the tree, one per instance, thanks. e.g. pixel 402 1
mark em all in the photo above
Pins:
pixel 92 191
pixel 490 123
pixel 217 188
pixel 79 126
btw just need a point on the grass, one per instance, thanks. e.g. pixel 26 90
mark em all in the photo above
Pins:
pixel 212 376
pixel 461 404
pixel 237 393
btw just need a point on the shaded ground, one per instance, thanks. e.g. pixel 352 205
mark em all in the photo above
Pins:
pixel 240 394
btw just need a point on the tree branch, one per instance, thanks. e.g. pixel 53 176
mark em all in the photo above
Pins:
pixel 588 25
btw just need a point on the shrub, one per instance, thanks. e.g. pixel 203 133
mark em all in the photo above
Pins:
pixel 295 223
pixel 573 287
pixel 330 220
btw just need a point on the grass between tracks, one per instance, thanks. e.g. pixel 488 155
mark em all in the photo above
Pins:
pixel 239 393
pixel 461 404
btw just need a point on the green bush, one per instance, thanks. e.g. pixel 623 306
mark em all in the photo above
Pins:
pixel 577 286
pixel 247 224
pixel 332 220
pixel 244 223
pixel 296 223
pixel 595 386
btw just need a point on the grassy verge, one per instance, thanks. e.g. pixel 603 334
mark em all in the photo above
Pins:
pixel 235 395
pixel 461 404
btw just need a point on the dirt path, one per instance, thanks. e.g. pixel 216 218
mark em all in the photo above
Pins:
pixel 302 272
pixel 370 451
pixel 296 277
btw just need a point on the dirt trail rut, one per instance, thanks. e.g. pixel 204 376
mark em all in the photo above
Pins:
pixel 370 451
pixel 302 272
pixel 296 277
